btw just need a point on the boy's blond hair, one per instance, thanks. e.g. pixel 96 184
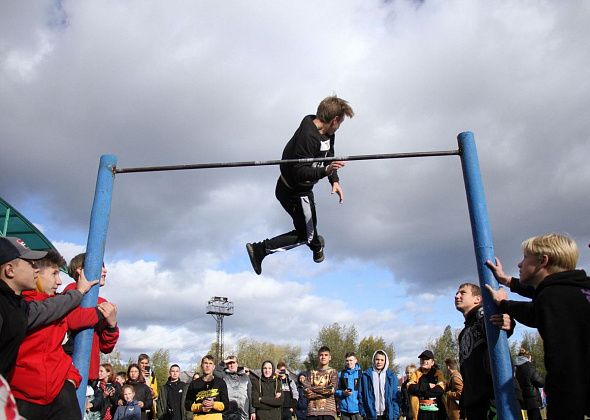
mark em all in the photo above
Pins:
pixel 561 250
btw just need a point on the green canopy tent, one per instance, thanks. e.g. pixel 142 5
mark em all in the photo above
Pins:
pixel 13 223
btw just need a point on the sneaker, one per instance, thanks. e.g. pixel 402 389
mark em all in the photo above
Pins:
pixel 318 256
pixel 256 254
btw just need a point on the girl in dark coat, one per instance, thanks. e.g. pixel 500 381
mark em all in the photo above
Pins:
pixel 267 395
pixel 143 393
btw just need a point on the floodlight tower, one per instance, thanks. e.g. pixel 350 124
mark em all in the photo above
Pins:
pixel 219 307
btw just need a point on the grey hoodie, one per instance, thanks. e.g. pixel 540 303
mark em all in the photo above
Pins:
pixel 379 378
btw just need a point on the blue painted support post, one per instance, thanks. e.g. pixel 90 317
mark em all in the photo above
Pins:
pixel 506 404
pixel 97 234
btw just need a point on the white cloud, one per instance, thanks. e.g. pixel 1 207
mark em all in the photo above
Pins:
pixel 68 249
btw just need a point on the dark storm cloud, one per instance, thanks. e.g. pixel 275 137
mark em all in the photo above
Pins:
pixel 171 84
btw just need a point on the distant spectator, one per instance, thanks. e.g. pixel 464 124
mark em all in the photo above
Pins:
pixel 405 398
pixel 378 395
pixel 106 332
pixel 267 394
pixel 530 381
pixel 348 388
pixel 290 393
pixel 239 390
pixel 454 389
pixel 173 397
pixel 147 372
pixel 121 378
pixel 90 403
pixel 428 384
pixel 131 408
pixel 301 410
pixel 320 387
pixel 18 272
pixel 111 390
pixel 206 396
pixel 142 392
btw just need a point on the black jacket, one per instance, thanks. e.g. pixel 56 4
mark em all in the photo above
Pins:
pixel 530 381
pixel 17 316
pixel 264 400
pixel 478 388
pixel 170 406
pixel 560 310
pixel 307 142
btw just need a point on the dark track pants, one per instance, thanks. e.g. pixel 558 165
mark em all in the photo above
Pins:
pixel 301 208
pixel 64 406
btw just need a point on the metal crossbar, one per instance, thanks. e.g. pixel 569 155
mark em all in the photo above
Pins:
pixel 287 161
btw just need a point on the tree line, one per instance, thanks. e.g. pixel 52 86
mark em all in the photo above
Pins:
pixel 340 339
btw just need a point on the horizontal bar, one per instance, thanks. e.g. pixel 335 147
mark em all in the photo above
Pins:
pixel 288 161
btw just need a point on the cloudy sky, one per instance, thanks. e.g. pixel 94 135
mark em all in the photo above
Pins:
pixel 178 82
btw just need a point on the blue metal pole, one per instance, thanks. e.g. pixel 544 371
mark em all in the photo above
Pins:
pixel 97 234
pixel 501 366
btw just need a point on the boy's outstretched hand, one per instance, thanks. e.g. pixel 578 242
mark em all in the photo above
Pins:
pixel 336 188
pixel 498 272
pixel 497 295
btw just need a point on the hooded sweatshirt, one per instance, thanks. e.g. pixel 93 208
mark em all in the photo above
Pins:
pixel 264 396
pixel 378 395
pixel 561 312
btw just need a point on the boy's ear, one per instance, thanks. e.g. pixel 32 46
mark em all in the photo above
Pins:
pixel 8 269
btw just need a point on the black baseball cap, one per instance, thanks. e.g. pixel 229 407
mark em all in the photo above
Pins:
pixel 426 354
pixel 12 248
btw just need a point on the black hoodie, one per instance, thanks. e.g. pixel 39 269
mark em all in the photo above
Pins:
pixel 307 142
pixel 561 312
pixel 264 390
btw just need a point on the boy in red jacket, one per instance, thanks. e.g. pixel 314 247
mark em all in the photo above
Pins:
pixel 106 332
pixel 44 380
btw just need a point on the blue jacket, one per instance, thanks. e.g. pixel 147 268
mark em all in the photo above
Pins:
pixel 131 411
pixel 367 396
pixel 349 379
